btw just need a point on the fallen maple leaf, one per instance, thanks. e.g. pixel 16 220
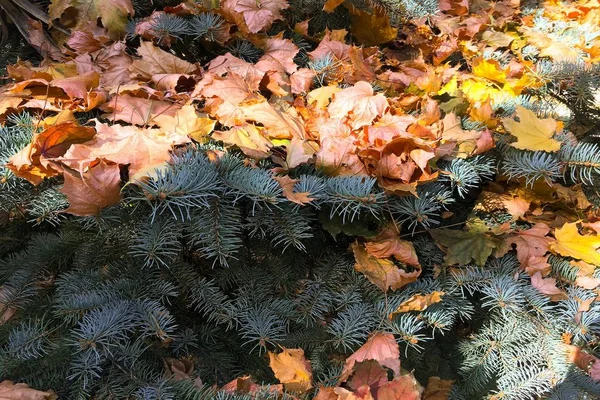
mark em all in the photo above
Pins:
pixel 530 244
pixel 382 272
pixel 155 61
pixel 259 14
pixel 368 373
pixel 117 143
pixel 417 302
pixel 113 13
pixel 94 190
pixel 33 161
pixel 249 138
pixel 186 122
pixel 464 246
pixel 381 347
pixel 489 69
pixel 532 133
pixel 138 110
pixel 570 243
pixel 292 369
pixel 403 387
pixel 359 104
pixel 547 286
pixel 389 244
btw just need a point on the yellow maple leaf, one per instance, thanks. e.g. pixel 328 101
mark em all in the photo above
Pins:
pixel 489 69
pixel 292 369
pixel 532 133
pixel 417 302
pixel 570 243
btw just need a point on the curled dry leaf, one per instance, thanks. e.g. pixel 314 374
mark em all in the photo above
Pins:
pixel 258 14
pixel 248 138
pixel 531 244
pixel 389 244
pixel 381 347
pixel 33 161
pixel 382 272
pixel 287 185
pixel 417 302
pixel 292 369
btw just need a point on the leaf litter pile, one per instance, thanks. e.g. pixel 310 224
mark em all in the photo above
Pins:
pixel 377 99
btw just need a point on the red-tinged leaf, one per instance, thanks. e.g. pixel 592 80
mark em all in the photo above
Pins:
pixel 74 87
pixel 531 243
pixel 302 80
pixel 222 65
pixel 548 287
pixel 85 42
pixel 259 14
pixel 368 373
pixel 454 7
pixel 389 244
pixel 111 62
pixel 331 47
pixel 381 347
pixel 233 88
pixel 403 387
pixel 337 155
pixel 279 56
pixel 359 104
pixel 94 190
pixel 287 184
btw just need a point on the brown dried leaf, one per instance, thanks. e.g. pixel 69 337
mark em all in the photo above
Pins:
pixel 382 272
pixel 95 189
